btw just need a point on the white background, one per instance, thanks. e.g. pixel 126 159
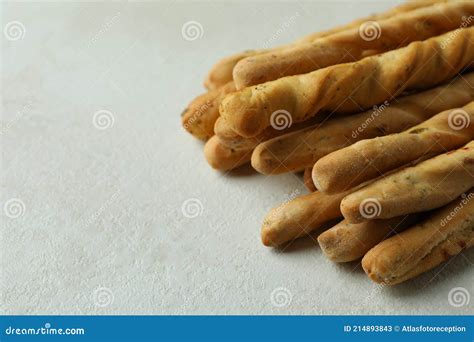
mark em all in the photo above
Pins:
pixel 102 229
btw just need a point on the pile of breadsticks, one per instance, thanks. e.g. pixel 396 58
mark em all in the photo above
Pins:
pixel 379 114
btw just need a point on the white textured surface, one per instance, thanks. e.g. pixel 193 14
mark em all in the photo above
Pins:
pixel 103 207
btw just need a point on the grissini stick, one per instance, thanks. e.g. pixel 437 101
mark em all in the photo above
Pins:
pixel 347 242
pixel 424 246
pixel 230 138
pixel 308 180
pixel 201 114
pixel 298 217
pixel 352 86
pixel 369 159
pixel 428 185
pixel 353 44
pixel 223 158
pixel 221 72
pixel 299 150
pixel 228 150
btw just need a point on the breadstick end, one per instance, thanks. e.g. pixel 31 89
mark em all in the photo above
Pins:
pixel 236 108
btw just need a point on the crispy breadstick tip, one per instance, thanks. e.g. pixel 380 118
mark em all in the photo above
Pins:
pixel 223 158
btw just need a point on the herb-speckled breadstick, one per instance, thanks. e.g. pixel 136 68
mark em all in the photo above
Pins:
pixel 299 150
pixel 350 241
pixel 353 44
pixel 425 186
pixel 369 159
pixel 201 114
pixel 424 246
pixel 298 217
pixel 352 86
pixel 221 72
pixel 223 158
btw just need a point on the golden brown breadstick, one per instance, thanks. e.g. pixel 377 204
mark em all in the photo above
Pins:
pixel 353 44
pixel 223 158
pixel 428 185
pixel 349 87
pixel 229 138
pixel 444 234
pixel 369 159
pixel 221 72
pixel 201 114
pixel 298 217
pixel 299 150
pixel 350 241
pixel 308 180
pixel 238 148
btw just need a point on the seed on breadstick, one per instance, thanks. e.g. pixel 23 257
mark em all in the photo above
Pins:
pixel 299 150
pixel 308 180
pixel 298 217
pixel 352 45
pixel 223 158
pixel 424 246
pixel 350 241
pixel 221 72
pixel 369 159
pixel 352 86
pixel 428 185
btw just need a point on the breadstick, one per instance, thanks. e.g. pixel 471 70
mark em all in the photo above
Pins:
pixel 444 234
pixel 233 148
pixel 428 185
pixel 298 217
pixel 223 158
pixel 308 180
pixel 221 72
pixel 229 138
pixel 348 241
pixel 299 150
pixel 368 159
pixel 201 114
pixel 349 87
pixel 353 44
